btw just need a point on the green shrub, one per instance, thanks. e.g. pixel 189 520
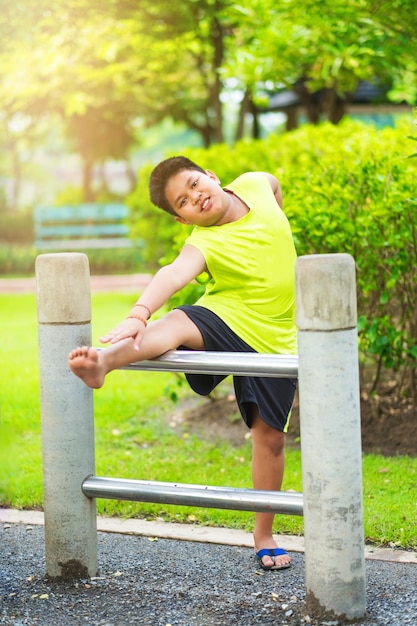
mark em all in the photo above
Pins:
pixel 15 259
pixel 115 260
pixel 353 193
pixel 20 260
pixel 347 188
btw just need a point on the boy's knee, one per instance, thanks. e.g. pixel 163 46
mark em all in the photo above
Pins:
pixel 277 442
pixel 185 330
pixel 270 438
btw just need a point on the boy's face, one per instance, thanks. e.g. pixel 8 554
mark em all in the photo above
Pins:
pixel 196 198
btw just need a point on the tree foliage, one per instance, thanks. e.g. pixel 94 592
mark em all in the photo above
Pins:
pixel 323 49
pixel 106 70
pixel 347 188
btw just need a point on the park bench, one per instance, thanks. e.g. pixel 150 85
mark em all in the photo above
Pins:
pixel 83 226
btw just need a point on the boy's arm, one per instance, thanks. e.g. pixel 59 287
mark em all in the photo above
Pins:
pixel 173 277
pixel 167 281
pixel 276 188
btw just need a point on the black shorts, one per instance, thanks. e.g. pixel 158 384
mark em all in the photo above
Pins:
pixel 273 396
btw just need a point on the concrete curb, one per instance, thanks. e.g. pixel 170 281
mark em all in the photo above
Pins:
pixel 203 534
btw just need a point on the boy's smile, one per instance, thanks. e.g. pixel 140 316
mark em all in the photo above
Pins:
pixel 197 198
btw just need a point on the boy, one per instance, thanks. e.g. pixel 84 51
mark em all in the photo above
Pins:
pixel 243 240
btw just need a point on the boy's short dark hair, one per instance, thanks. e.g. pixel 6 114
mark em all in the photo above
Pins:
pixel 162 173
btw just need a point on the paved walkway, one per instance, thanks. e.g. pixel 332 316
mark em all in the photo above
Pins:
pixel 204 534
pixel 161 574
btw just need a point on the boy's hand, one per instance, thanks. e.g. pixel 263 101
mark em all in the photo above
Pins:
pixel 130 328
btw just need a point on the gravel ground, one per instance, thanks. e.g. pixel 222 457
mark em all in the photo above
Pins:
pixel 179 583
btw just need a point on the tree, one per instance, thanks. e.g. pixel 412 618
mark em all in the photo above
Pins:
pixel 323 49
pixel 184 45
pixel 18 132
pixel 100 68
pixel 74 65
pixel 104 67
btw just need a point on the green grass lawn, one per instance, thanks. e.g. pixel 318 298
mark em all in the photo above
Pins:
pixel 134 440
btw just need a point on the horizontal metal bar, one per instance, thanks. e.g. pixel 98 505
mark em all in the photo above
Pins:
pixel 222 363
pixel 284 502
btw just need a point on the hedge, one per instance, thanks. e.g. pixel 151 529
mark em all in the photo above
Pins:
pixel 347 188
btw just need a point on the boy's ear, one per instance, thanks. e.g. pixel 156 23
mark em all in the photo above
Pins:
pixel 181 220
pixel 213 176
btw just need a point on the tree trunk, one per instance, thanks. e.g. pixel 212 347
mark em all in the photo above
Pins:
pixel 333 105
pixel 16 174
pixel 88 193
pixel 131 175
pixel 217 86
pixel 310 101
pixel 256 127
pixel 292 118
pixel 243 110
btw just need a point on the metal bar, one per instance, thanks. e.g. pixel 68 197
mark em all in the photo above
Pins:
pixel 222 363
pixel 284 502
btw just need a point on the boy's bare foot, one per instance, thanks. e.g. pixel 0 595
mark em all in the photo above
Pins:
pixel 86 364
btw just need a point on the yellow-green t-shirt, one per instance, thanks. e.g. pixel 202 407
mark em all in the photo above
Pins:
pixel 251 263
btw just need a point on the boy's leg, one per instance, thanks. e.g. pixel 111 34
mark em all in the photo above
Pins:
pixel 170 331
pixel 268 458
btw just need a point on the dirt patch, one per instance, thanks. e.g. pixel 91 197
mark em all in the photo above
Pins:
pixel 388 427
pixel 211 419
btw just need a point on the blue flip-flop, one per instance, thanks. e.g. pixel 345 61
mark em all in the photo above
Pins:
pixel 272 552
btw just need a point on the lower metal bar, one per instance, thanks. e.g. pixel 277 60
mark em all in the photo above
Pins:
pixel 284 502
pixel 222 363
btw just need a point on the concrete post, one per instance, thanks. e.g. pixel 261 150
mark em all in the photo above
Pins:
pixel 330 436
pixel 64 322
